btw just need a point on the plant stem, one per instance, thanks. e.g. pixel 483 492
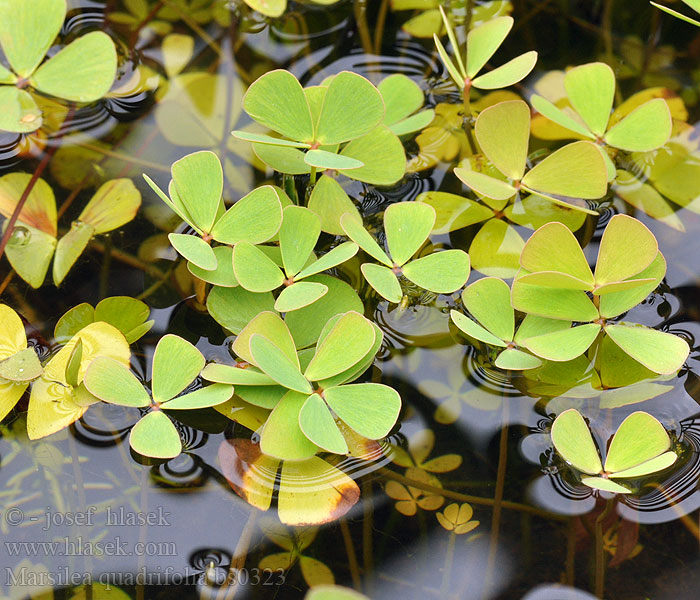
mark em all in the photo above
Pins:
pixel 367 522
pixel 497 504
pixel 352 557
pixel 312 176
pixel 360 7
pixel 379 28
pixel 449 559
pixel 600 550
pixel 240 556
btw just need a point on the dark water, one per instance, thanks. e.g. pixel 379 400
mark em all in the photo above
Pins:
pixel 536 526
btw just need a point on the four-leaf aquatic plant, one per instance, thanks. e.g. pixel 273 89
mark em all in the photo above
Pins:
pixel 591 90
pixel 256 271
pixel 555 282
pixel 83 71
pixel 576 171
pixel 176 365
pixel 195 196
pixel 482 43
pixel 311 394
pixel 334 126
pixel 407 226
pixel 641 446
pixel 488 301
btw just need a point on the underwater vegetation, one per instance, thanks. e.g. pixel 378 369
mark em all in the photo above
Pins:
pixel 345 278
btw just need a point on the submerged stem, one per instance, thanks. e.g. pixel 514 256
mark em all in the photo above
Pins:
pixel 600 550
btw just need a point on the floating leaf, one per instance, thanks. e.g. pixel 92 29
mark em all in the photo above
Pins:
pixel 503 131
pixel 298 236
pixel 306 323
pixel 472 329
pixel 356 231
pixel 69 249
pixel 486 185
pixel 495 249
pixel 607 485
pixel 563 345
pixel 199 180
pixel 314 492
pixel 441 272
pixel 205 397
pixel 255 218
pixel 652 465
pixel 345 345
pixel 577 170
pixel 238 375
pixel 483 41
pixel 516 360
pixel 614 304
pixel 281 436
pixel 194 249
pixel 223 274
pixel 573 441
pixel 176 364
pixel 660 352
pixel 261 102
pixel 382 154
pixel 83 71
pixel 39 210
pixel 370 409
pixel 646 128
pixel 384 281
pixel 554 248
pixel 270 325
pixel 330 259
pixel 318 425
pixel 615 261
pixel 20 112
pixel 352 108
pixel 329 201
pixel 639 438
pixel 591 90
pixel 568 305
pixel 27 31
pixel 53 403
pixel 407 226
pixel 20 367
pixel 234 307
pixel 512 72
pixel 254 270
pixel 155 436
pixel 277 365
pixel 488 300
pixel 114 204
pixel 299 295
pixel 110 381
pixel 454 212
pixel 322 159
